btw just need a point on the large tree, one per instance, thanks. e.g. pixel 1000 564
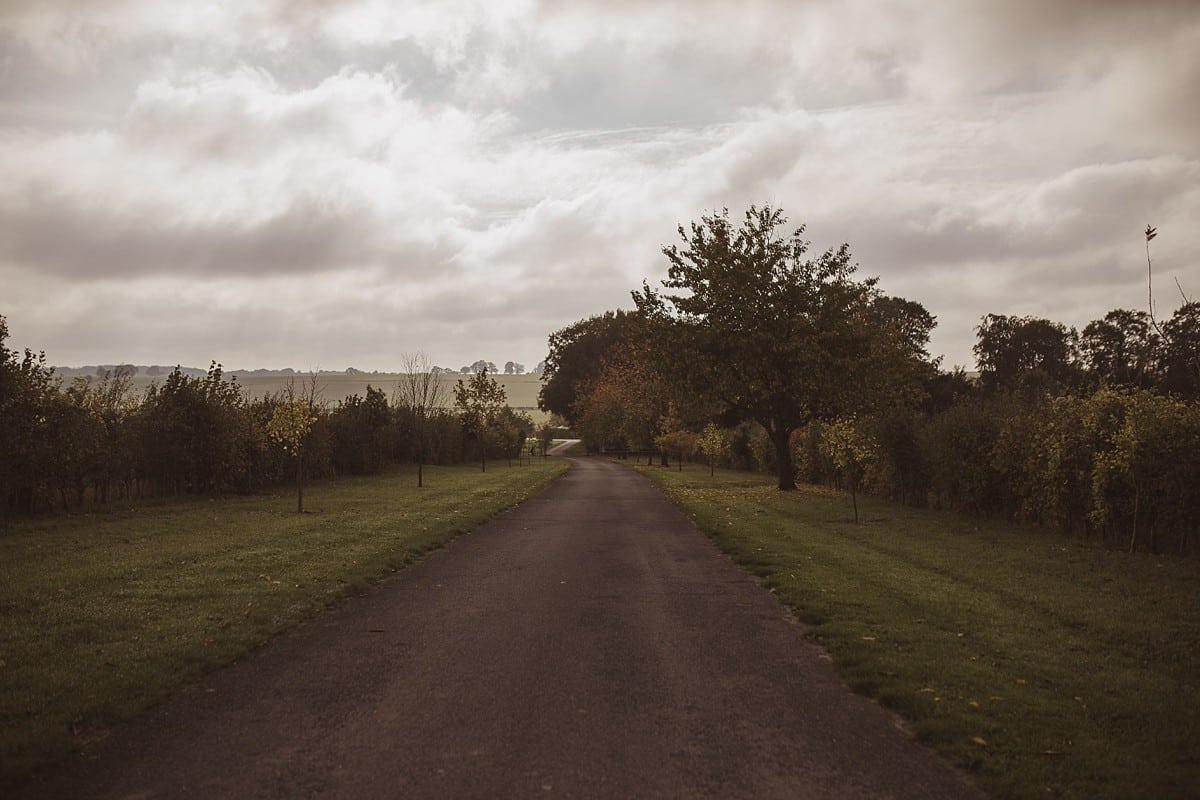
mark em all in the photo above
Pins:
pixel 767 334
pixel 1181 352
pixel 578 354
pixel 1120 349
pixel 1025 352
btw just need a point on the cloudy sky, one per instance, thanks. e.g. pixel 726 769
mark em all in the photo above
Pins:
pixel 323 184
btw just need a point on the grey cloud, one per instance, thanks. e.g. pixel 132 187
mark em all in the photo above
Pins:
pixel 249 159
pixel 90 242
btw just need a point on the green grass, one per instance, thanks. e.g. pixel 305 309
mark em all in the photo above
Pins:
pixel 103 614
pixel 1048 667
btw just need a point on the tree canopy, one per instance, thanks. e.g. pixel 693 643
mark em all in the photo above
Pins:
pixel 577 357
pixel 748 321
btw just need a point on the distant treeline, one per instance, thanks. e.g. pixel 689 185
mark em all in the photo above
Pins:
pixel 769 361
pixel 68 444
pixel 158 371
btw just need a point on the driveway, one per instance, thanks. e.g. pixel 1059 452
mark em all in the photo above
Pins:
pixel 589 643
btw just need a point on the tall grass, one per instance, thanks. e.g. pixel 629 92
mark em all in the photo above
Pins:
pixel 103 614
pixel 1048 667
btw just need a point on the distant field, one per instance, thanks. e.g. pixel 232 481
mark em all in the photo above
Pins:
pixel 522 390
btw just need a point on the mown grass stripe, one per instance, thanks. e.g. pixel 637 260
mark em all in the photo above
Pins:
pixel 1048 666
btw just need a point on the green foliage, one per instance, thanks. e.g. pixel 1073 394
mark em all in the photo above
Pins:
pixel 290 425
pixel 98 439
pixel 766 334
pixel 812 463
pixel 675 439
pixel 1037 355
pixel 487 420
pixel 27 392
pixel 1121 349
pixel 852 451
pixel 478 400
pixel 958 444
pixel 577 356
pixel 363 432
pixel 1147 480
pixel 188 429
pixel 509 431
pixel 1118 466
pixel 1180 359
pixel 902 470
pixel 713 442
pixel 850 448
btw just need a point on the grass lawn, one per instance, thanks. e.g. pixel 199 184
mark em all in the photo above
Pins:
pixel 103 614
pixel 1046 666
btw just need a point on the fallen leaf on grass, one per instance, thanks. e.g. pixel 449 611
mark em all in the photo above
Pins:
pixel 868 638
pixel 246 610
pixel 979 740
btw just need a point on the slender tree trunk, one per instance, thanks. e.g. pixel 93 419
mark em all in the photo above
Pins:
pixel 1133 538
pixel 300 483
pixel 419 476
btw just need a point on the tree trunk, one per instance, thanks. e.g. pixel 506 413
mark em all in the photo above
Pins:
pixel 783 455
pixel 300 484
pixel 1133 537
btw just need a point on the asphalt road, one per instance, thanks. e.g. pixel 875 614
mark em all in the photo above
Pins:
pixel 589 643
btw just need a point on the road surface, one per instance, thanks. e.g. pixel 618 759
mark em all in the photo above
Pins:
pixel 589 643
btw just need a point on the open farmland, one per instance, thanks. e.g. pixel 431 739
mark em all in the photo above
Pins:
pixel 522 390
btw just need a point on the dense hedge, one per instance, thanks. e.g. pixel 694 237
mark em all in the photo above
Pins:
pixel 1121 466
pixel 68 445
